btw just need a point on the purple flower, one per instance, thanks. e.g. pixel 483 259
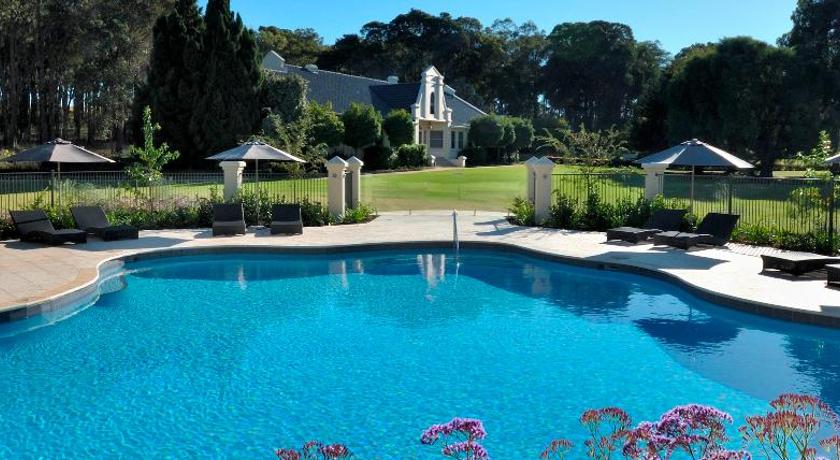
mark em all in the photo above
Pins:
pixel 461 435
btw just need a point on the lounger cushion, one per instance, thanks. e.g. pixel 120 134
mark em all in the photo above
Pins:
pixel 35 226
pixel 93 220
pixel 631 234
pixel 796 263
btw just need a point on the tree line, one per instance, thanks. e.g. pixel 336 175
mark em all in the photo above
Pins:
pixel 83 70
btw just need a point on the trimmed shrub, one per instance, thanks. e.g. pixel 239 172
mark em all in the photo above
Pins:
pixel 399 126
pixel 411 156
pixel 378 157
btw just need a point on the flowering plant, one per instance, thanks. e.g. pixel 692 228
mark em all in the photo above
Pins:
pixel 788 430
pixel 557 450
pixel 314 450
pixel 607 428
pixel 460 438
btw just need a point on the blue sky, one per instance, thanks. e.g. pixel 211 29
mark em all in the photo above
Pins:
pixel 675 23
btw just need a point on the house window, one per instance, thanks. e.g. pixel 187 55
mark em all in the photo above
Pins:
pixel 461 140
pixel 452 140
pixel 436 139
pixel 432 101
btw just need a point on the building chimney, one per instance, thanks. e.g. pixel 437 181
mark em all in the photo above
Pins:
pixel 393 79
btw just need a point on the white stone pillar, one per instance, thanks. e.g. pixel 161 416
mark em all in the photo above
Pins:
pixel 432 160
pixel 461 161
pixel 336 169
pixel 233 177
pixel 542 189
pixel 530 177
pixel 654 179
pixel 354 168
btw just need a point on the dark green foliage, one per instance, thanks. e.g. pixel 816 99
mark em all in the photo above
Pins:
pixel 362 125
pixel 412 156
pixel 227 109
pixel 378 157
pixel 284 95
pixel 770 236
pixel 734 95
pixel 174 80
pixel 523 133
pixel 476 156
pixel 358 215
pixel 298 47
pixel 595 72
pixel 399 126
pixel 326 126
pixel 522 212
pixel 595 214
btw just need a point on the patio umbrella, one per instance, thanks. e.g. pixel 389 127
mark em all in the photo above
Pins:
pixel 833 161
pixel 695 153
pixel 58 151
pixel 255 150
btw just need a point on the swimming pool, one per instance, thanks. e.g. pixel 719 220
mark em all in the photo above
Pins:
pixel 234 355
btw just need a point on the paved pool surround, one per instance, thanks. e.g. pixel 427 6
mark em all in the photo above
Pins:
pixel 37 280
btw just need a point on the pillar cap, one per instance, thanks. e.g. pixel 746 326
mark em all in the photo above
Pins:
pixel 655 166
pixel 336 162
pixel 231 164
pixel 354 162
pixel 543 163
pixel 531 161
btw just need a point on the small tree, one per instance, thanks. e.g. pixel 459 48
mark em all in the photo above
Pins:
pixel 489 132
pixel 524 131
pixel 362 125
pixel 399 126
pixel 284 95
pixel 325 125
pixel 814 160
pixel 149 160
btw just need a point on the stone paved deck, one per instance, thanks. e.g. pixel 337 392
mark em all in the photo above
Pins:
pixel 32 273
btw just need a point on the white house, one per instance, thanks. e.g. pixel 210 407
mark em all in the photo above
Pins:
pixel 441 118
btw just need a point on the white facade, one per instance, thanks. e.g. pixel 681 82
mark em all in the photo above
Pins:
pixel 433 124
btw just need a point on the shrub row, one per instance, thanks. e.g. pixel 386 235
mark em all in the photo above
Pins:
pixel 596 215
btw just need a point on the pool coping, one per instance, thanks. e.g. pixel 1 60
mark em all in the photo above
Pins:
pixel 113 265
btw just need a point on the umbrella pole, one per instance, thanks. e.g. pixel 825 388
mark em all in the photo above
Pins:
pixel 692 189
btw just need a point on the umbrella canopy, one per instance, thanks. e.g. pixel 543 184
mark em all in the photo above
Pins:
pixel 835 160
pixel 59 151
pixel 254 150
pixel 696 153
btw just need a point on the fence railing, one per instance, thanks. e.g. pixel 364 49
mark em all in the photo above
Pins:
pixel 793 204
pixel 611 188
pixel 22 190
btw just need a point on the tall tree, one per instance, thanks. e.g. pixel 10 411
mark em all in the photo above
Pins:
pixel 596 71
pixel 734 95
pixel 227 108
pixel 299 46
pixel 174 80
pixel 816 75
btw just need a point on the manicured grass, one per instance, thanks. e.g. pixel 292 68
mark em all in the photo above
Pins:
pixel 485 188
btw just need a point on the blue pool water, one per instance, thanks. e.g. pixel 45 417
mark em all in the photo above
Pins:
pixel 231 356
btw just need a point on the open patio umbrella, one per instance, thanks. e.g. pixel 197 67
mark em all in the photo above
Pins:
pixel 255 150
pixel 58 151
pixel 833 161
pixel 695 153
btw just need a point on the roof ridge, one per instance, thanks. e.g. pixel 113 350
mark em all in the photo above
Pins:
pixel 340 73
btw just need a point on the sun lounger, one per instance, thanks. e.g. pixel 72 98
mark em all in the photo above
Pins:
pixel 286 218
pixel 661 221
pixel 228 219
pixel 796 263
pixel 36 227
pixel 714 230
pixel 92 219
pixel 833 272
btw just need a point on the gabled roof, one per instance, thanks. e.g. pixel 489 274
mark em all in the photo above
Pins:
pixel 342 89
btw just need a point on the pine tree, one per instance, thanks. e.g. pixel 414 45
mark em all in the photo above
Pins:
pixel 174 81
pixel 226 109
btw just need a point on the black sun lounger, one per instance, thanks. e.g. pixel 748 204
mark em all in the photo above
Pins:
pixel 714 230
pixel 661 221
pixel 92 219
pixel 228 219
pixel 286 218
pixel 796 263
pixel 35 226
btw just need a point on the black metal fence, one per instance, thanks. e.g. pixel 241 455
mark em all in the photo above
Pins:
pixel 23 190
pixel 792 204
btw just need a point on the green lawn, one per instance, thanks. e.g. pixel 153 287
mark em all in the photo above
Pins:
pixel 488 189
